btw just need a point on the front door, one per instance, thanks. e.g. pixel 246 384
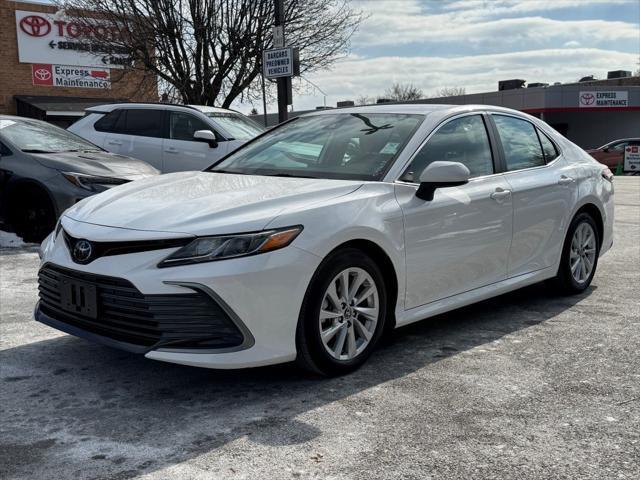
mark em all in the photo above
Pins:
pixel 181 152
pixel 460 240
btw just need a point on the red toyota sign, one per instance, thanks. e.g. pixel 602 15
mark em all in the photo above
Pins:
pixel 42 74
pixel 35 26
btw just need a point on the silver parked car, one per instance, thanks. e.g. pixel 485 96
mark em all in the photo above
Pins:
pixel 45 169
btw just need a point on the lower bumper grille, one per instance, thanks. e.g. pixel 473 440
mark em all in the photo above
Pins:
pixel 122 313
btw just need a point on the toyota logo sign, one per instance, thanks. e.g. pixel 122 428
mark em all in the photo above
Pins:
pixel 587 98
pixel 35 26
pixel 42 74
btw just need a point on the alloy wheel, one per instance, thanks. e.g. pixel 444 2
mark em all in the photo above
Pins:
pixel 349 313
pixel 583 251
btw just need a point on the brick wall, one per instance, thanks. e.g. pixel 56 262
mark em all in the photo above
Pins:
pixel 15 78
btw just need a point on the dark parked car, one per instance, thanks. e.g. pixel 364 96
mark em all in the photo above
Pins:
pixel 612 153
pixel 45 169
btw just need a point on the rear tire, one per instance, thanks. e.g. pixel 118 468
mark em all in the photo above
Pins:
pixel 31 213
pixel 579 256
pixel 343 314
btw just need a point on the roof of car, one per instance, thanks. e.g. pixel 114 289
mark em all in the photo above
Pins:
pixel 157 106
pixel 20 119
pixel 417 108
pixel 207 109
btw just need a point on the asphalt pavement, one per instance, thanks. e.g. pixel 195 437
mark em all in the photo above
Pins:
pixel 526 385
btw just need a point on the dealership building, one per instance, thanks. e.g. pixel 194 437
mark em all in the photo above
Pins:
pixel 51 69
pixel 590 113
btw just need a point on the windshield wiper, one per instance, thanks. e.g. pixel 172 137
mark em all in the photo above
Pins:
pixel 37 150
pixel 227 171
pixel 286 175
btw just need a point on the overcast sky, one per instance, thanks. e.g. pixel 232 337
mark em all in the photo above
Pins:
pixel 475 43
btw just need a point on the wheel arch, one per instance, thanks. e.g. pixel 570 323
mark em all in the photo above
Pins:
pixel 12 191
pixel 384 262
pixel 595 213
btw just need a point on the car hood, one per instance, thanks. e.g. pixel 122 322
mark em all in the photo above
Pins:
pixel 103 164
pixel 205 203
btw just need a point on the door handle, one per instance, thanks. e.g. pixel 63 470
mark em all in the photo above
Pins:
pixel 500 195
pixel 113 142
pixel 171 150
pixel 564 180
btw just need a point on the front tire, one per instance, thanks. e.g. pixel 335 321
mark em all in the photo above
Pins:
pixel 31 214
pixel 579 256
pixel 343 314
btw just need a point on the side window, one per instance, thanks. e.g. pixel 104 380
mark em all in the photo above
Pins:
pixel 182 126
pixel 548 148
pixel 108 122
pixel 463 140
pixel 144 123
pixel 520 143
pixel 618 147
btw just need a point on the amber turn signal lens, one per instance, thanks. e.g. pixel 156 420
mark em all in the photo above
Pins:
pixel 280 239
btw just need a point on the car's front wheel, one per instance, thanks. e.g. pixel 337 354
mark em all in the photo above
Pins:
pixel 343 314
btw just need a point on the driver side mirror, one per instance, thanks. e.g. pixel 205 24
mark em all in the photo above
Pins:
pixel 440 175
pixel 605 149
pixel 206 136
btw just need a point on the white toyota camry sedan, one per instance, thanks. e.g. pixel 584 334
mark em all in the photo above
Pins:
pixel 315 239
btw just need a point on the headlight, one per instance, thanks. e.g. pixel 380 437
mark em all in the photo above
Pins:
pixel 208 249
pixel 92 182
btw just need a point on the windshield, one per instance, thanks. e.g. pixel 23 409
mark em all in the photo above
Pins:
pixel 238 126
pixel 356 146
pixel 32 136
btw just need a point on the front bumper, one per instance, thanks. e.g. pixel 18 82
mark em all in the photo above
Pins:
pixel 262 294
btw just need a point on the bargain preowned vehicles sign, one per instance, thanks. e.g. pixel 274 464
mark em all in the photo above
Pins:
pixel 46 38
pixel 632 158
pixel 70 76
pixel 278 62
pixel 602 98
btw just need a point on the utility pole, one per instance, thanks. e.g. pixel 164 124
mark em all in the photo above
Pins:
pixel 264 101
pixel 284 83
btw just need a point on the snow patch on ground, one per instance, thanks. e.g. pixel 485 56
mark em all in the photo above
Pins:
pixel 11 240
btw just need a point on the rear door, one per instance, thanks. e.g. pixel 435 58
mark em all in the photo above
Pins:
pixel 138 133
pixel 544 189
pixel 460 240
pixel 181 152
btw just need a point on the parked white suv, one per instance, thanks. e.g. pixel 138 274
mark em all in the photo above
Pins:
pixel 172 138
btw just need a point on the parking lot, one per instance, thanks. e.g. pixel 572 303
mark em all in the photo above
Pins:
pixel 527 385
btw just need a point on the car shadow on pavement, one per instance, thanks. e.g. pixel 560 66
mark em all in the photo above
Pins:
pixel 75 409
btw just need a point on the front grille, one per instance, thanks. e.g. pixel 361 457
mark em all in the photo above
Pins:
pixel 124 314
pixel 105 249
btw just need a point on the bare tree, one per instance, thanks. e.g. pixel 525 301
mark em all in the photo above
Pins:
pixel 450 92
pixel 210 51
pixel 403 92
pixel 365 100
